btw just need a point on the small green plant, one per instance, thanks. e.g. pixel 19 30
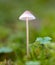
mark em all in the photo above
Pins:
pixel 43 50
pixel 44 40
pixel 33 63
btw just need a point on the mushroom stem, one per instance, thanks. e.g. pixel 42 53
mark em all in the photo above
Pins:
pixel 27 36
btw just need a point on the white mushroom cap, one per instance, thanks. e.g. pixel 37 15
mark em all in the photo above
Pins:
pixel 28 15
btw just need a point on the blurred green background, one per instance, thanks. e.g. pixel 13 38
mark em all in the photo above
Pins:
pixel 13 31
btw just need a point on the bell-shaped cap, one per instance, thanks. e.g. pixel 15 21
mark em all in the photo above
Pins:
pixel 28 15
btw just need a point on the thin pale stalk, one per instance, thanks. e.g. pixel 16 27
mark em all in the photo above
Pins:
pixel 27 36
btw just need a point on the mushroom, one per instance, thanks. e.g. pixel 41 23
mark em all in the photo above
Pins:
pixel 27 16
